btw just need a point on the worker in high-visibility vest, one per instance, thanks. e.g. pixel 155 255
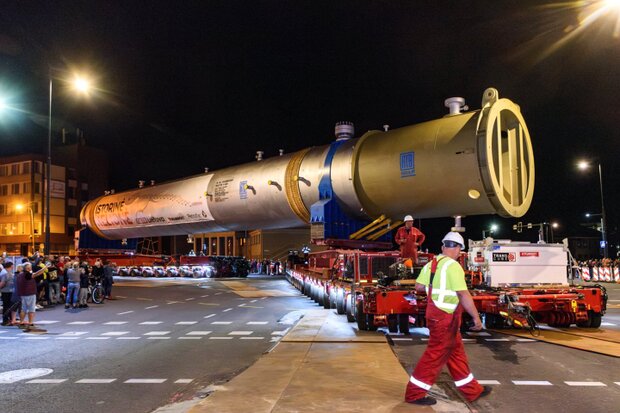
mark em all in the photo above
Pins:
pixel 443 279
pixel 409 238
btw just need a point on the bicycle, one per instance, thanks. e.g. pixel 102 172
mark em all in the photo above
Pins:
pixel 95 292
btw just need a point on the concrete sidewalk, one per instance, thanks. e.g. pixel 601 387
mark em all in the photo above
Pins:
pixel 322 364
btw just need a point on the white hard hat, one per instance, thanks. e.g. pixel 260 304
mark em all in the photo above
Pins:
pixel 407 218
pixel 454 237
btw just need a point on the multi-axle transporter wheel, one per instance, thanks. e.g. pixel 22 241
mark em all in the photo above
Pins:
pixel 403 323
pixel 350 303
pixel 595 319
pixel 326 301
pixel 340 307
pixel 360 317
pixel 392 322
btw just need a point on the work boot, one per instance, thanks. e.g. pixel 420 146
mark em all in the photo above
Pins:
pixel 486 390
pixel 66 305
pixel 424 401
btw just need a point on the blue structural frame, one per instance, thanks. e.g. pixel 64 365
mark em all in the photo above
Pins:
pixel 336 223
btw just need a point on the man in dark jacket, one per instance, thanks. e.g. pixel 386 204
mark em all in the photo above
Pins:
pixel 27 287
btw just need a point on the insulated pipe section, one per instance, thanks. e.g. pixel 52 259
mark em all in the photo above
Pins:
pixel 470 163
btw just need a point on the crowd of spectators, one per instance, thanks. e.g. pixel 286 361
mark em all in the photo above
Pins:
pixel 38 282
pixel 268 267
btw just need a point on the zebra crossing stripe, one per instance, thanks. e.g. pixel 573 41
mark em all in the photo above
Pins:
pixel 80 322
pixel 531 383
pixel 95 381
pixel 184 381
pixel 483 382
pixel 156 333
pixel 46 381
pixel 185 323
pixel 586 383
pixel 143 381
pixel 115 323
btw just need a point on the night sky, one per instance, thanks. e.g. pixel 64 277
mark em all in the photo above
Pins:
pixel 191 84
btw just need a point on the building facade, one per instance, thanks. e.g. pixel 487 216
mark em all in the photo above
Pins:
pixel 23 200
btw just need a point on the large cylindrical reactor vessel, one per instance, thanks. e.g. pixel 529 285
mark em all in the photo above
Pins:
pixel 478 162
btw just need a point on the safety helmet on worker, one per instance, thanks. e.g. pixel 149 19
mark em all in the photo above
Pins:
pixel 407 218
pixel 453 238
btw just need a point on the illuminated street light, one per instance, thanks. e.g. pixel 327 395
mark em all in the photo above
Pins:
pixel 83 85
pixel 489 230
pixel 585 165
pixel 20 207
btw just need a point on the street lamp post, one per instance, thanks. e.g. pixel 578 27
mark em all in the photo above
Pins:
pixel 489 230
pixel 583 165
pixel 82 85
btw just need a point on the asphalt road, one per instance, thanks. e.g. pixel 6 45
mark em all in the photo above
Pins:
pixel 158 342
pixel 165 341
pixel 532 375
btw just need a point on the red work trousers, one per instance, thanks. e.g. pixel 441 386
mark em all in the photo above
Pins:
pixel 445 347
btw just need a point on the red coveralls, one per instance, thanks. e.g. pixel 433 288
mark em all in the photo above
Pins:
pixel 445 346
pixel 413 236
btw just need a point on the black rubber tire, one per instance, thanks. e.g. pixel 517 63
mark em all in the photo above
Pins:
pixel 392 322
pixel 326 303
pixel 332 299
pixel 349 309
pixel 320 296
pixel 596 319
pixel 370 322
pixel 403 323
pixel 97 295
pixel 340 307
pixel 360 317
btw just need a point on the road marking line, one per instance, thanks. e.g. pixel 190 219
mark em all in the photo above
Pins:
pixel 617 382
pixel 67 338
pixel 115 323
pixel 424 339
pixel 115 333
pixel 74 333
pixel 209 316
pixel 126 312
pixel 190 299
pixel 585 383
pixel 203 296
pixel 173 302
pixel 608 324
pixel 257 323
pixel 189 338
pixel 150 323
pixel 228 309
pixel 152 306
pixel 198 333
pixel 150 381
pixel 488 382
pixel 156 333
pixel 121 296
pixel 479 334
pixel 496 339
pixel 97 338
pixel 47 322
pixel 184 381
pixel 128 338
pixel 144 299
pixel 253 301
pixel 220 338
pixel 46 381
pixel 469 340
pixel 3 331
pixel 531 383
pixel 159 338
pixel 222 322
pixel 80 322
pixel 252 338
pixel 36 338
pixel 525 340
pixel 8 338
pixel 185 323
pixel 240 333
pixel 249 306
pixel 217 293
pixel 400 338
pixel 264 298
pixel 279 333
pixel 95 381
pixel 208 304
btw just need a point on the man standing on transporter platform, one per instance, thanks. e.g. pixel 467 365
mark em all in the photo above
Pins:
pixel 443 279
pixel 409 238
